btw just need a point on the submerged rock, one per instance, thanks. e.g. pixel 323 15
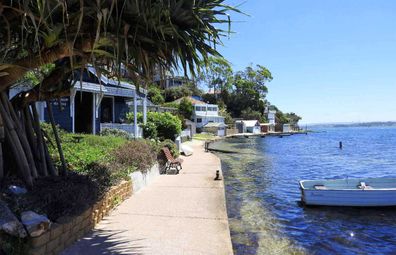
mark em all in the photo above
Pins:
pixel 9 223
pixel 34 223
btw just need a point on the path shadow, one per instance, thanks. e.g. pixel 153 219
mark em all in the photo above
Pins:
pixel 106 242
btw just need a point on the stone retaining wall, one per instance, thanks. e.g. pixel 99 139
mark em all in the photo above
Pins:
pixel 67 230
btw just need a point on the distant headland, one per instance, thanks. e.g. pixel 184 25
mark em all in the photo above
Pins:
pixel 357 124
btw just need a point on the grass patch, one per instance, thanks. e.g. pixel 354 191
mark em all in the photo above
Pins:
pixel 203 136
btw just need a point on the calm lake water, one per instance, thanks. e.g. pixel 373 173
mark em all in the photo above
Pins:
pixel 263 194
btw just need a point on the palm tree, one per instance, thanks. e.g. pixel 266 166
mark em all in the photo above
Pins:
pixel 109 34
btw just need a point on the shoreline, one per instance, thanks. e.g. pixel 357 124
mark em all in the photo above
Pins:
pixel 175 214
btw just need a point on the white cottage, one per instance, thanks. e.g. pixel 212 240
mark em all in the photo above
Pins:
pixel 248 126
pixel 204 113
pixel 218 129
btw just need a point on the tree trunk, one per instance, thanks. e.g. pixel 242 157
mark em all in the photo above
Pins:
pixel 40 142
pixel 30 131
pixel 13 142
pixel 1 150
pixel 58 143
pixel 1 165
pixel 50 165
pixel 33 141
pixel 21 134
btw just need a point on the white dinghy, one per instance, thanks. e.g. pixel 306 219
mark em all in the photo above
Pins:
pixel 349 192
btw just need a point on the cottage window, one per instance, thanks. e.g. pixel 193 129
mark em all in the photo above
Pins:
pixel 199 120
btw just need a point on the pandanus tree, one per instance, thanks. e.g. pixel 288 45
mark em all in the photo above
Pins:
pixel 111 35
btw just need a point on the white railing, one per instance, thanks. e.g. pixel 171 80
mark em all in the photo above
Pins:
pixel 130 128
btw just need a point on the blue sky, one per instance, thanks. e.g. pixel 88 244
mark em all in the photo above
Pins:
pixel 332 60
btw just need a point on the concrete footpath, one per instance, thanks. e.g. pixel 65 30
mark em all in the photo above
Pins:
pixel 175 214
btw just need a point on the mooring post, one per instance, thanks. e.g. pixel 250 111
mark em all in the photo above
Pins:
pixel 340 145
pixel 207 146
pixel 217 178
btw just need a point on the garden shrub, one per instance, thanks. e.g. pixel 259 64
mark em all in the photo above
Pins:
pixel 107 174
pixel 150 131
pixel 171 105
pixel 171 94
pixel 154 94
pixel 90 149
pixel 168 125
pixel 186 108
pixel 115 132
pixel 137 153
pixel 79 155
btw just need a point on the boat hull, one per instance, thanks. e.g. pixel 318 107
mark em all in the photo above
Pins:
pixel 348 192
pixel 364 198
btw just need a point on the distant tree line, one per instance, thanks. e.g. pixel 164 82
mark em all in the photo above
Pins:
pixel 240 94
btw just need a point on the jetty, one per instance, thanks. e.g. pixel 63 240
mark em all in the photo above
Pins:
pixel 279 134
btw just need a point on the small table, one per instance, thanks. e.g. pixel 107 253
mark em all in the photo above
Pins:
pixel 77 139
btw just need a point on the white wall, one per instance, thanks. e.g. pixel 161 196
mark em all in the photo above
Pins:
pixel 271 117
pixel 141 180
pixel 207 110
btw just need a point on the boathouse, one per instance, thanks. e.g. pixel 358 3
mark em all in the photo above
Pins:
pixel 218 129
pixel 248 126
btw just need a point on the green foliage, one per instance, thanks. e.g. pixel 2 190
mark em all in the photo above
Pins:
pixel 287 118
pixel 186 108
pixel 293 118
pixel 155 96
pixel 105 159
pixel 193 87
pixel 130 117
pixel 167 124
pixel 115 132
pixel 227 116
pixel 210 98
pixel 174 93
pixel 171 104
pixel 217 74
pixel 259 76
pixel 249 114
pixel 149 131
pixel 79 155
pixel 37 75
pixel 106 174
pixel 90 149
pixel 140 34
pixel 241 94
pixel 281 118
